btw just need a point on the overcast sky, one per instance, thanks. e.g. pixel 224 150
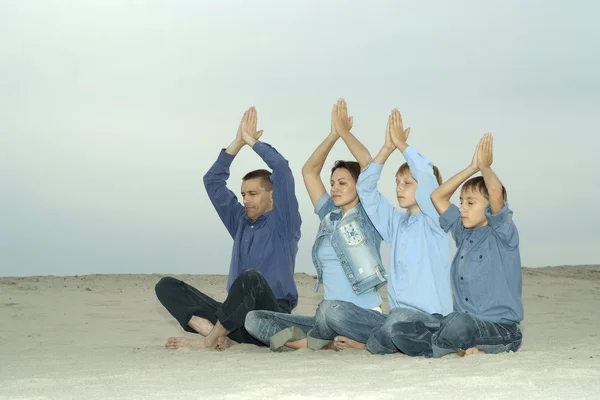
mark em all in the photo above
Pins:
pixel 112 111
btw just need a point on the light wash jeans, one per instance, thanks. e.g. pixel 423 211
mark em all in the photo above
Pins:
pixel 331 319
pixel 456 331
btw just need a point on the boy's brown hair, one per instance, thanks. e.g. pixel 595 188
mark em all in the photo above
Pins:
pixel 405 169
pixel 477 184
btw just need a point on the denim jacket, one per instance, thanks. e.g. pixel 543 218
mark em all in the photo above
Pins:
pixel 356 243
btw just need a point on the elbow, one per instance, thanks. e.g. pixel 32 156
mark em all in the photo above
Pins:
pixel 206 179
pixel 309 170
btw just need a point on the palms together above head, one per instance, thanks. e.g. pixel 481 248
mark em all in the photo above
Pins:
pixel 340 122
pixel 484 157
pixel 396 132
pixel 247 129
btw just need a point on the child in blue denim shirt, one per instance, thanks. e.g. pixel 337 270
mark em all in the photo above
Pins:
pixel 486 270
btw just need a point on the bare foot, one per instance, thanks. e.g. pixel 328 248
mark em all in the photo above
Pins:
pixel 470 351
pixel 473 350
pixel 342 342
pixel 224 343
pixel 200 325
pixel 175 343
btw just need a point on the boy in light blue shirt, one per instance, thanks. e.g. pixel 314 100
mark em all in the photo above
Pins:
pixel 486 270
pixel 419 269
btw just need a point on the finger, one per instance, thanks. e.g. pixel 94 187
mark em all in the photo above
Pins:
pixel 253 117
pixel 398 120
pixel 406 133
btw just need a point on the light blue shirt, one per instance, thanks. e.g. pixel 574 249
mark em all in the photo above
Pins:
pixel 486 271
pixel 419 266
pixel 335 284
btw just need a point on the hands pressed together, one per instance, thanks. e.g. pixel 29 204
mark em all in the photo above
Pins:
pixel 396 136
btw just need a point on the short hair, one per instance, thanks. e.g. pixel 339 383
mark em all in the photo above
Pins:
pixel 477 184
pixel 263 175
pixel 351 166
pixel 436 172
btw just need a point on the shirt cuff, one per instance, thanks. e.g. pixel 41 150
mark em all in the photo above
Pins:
pixel 372 170
pixel 449 217
pixel 225 158
pixel 497 219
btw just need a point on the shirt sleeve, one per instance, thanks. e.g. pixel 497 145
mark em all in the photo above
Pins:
pixel 224 200
pixel 450 222
pixel 422 170
pixel 503 225
pixel 324 206
pixel 285 203
pixel 380 211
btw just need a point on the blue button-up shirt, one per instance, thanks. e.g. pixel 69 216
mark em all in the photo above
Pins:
pixel 419 249
pixel 270 243
pixel 486 270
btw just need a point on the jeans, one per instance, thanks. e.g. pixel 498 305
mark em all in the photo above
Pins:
pixel 381 339
pixel 330 318
pixel 456 331
pixel 250 291
pixel 342 318
pixel 265 324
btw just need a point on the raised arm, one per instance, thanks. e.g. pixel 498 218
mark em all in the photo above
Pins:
pixel 285 203
pixel 311 171
pixel 441 196
pixel 492 183
pixel 343 125
pixel 420 167
pixel 388 146
pixel 381 212
pixel 224 200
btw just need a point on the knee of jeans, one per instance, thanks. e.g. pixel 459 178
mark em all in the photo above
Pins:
pixel 251 275
pixel 388 329
pixel 164 283
pixel 327 309
pixel 251 321
pixel 458 330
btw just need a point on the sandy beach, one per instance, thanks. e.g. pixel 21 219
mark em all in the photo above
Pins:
pixel 102 337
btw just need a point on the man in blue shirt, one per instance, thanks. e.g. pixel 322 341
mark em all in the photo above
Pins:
pixel 265 232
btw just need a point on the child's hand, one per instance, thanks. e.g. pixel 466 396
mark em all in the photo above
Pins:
pixel 340 122
pixel 398 134
pixel 485 156
pixel 389 144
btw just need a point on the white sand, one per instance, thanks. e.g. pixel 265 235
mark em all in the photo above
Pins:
pixel 102 336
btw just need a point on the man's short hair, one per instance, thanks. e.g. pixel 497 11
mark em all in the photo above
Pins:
pixel 477 184
pixel 263 175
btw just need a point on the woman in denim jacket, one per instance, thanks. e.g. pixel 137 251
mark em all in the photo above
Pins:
pixel 345 254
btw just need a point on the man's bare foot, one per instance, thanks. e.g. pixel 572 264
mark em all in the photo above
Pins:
pixel 175 343
pixel 224 343
pixel 342 343
pixel 200 325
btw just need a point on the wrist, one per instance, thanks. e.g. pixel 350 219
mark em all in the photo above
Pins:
pixel 402 146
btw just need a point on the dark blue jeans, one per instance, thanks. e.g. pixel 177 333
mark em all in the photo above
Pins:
pixel 457 331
